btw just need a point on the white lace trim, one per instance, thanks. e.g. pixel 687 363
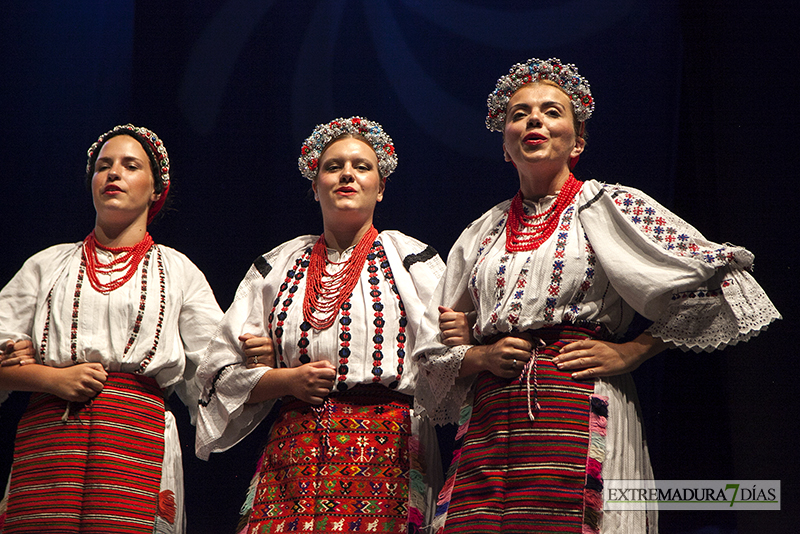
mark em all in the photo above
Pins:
pixel 440 393
pixel 708 319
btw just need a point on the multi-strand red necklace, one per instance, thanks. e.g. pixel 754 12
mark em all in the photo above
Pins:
pixel 528 232
pixel 326 292
pixel 126 263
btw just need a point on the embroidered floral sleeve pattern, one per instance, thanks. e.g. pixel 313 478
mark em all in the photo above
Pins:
pixel 664 228
pixel 722 310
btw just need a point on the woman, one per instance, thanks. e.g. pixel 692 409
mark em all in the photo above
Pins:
pixel 117 323
pixel 555 277
pixel 341 309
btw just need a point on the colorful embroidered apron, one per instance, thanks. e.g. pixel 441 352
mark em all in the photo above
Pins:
pixel 339 467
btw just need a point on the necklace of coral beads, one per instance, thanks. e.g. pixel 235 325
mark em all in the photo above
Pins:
pixel 528 232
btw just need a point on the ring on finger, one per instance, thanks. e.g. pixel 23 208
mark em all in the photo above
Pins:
pixel 255 359
pixel 514 363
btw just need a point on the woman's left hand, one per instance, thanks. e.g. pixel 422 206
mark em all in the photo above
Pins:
pixel 592 358
pixel 258 351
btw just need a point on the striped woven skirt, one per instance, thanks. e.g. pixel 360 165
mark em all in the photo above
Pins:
pixel 89 468
pixel 340 467
pixel 521 475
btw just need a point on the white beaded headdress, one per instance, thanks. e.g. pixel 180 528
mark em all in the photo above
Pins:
pixel 323 134
pixel 159 152
pixel 564 74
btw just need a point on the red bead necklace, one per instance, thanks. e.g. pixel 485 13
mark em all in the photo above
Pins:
pixel 528 232
pixel 326 292
pixel 126 263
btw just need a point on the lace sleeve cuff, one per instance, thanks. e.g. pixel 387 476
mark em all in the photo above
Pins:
pixel 731 307
pixel 440 393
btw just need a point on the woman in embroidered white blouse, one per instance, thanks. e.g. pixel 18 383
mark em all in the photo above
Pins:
pixel 342 309
pixel 554 278
pixel 118 322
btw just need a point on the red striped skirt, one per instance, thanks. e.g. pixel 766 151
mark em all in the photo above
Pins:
pixel 543 476
pixel 99 471
pixel 343 466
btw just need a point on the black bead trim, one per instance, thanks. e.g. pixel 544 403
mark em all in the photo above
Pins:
pixel 213 390
pixel 423 256
pixel 262 265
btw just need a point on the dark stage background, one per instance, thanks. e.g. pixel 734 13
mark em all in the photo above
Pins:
pixel 696 104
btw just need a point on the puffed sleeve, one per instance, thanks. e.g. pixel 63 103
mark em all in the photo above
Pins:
pixel 419 277
pixel 440 393
pixel 198 319
pixel 25 293
pixel 700 295
pixel 224 417
pixel 18 303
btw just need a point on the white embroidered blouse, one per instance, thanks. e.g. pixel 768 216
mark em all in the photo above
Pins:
pixel 371 342
pixel 615 252
pixel 39 303
pixel 157 324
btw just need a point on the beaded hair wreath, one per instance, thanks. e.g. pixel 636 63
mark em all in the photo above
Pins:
pixel 325 133
pixel 157 149
pixel 564 74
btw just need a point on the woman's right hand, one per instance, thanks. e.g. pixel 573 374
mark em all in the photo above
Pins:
pixel 258 351
pixel 312 382
pixel 505 358
pixel 454 327
pixel 78 383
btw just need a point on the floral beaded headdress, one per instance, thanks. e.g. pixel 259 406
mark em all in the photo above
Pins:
pixel 155 149
pixel 563 74
pixel 323 134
